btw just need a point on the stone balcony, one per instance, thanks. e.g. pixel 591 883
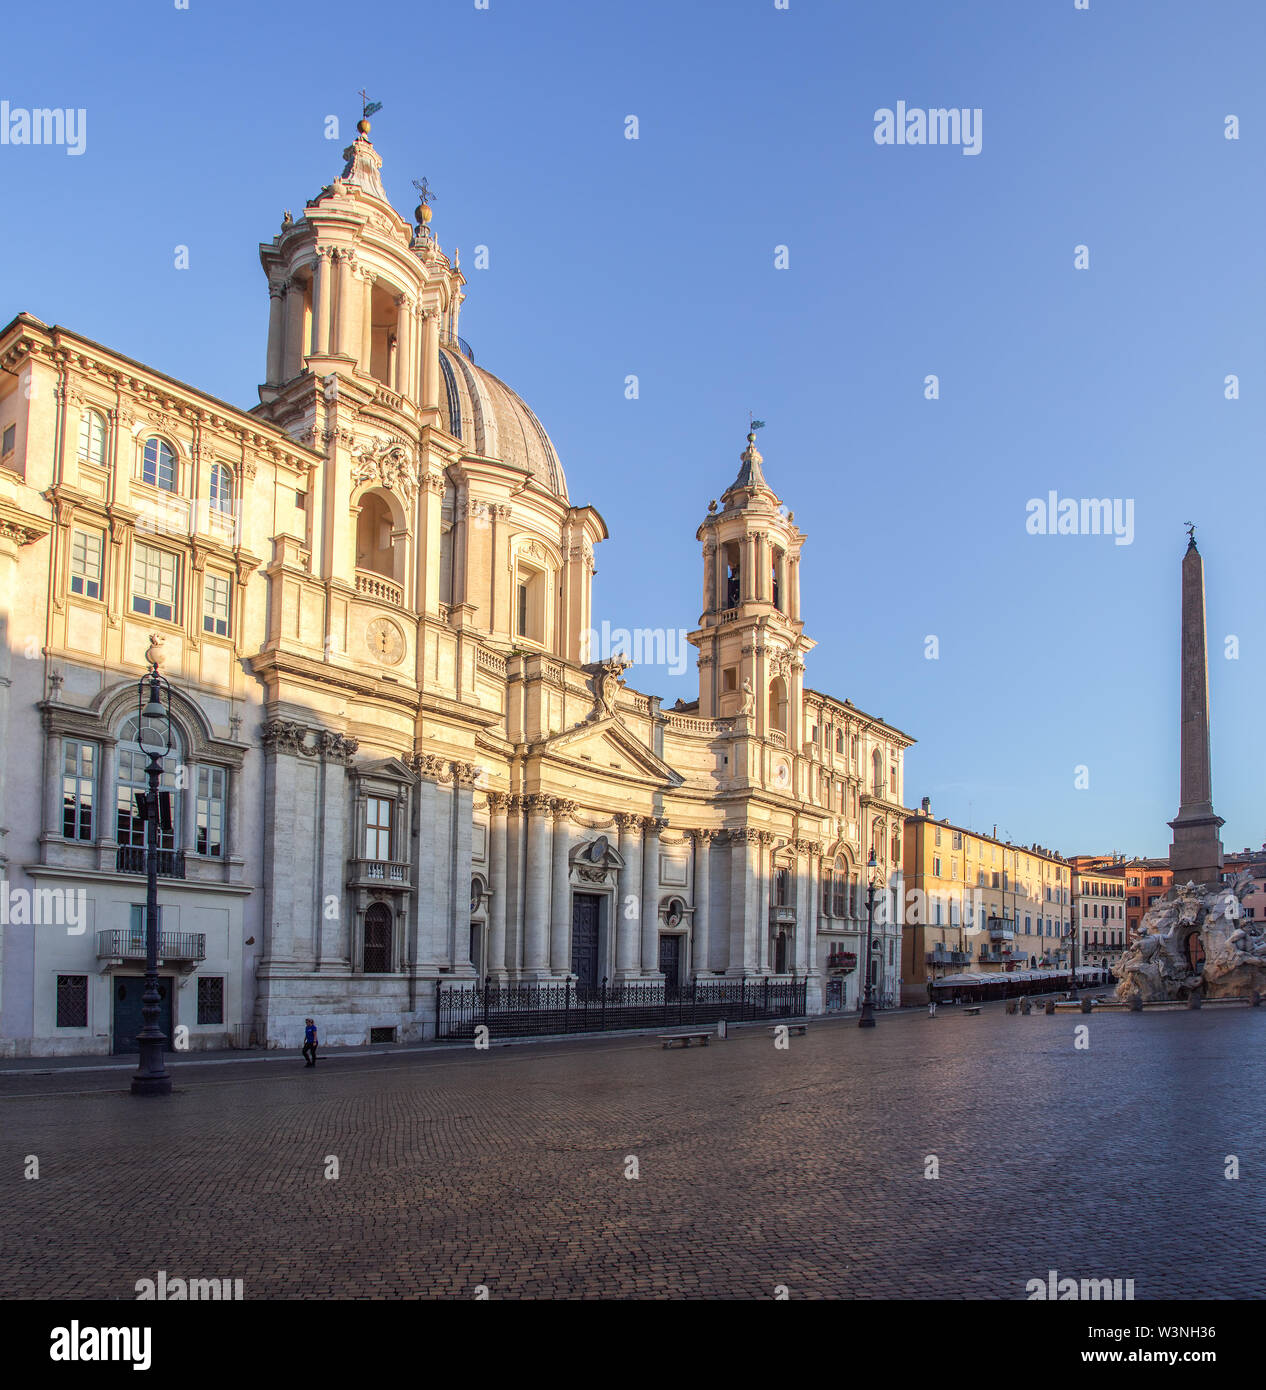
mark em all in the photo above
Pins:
pixel 379 588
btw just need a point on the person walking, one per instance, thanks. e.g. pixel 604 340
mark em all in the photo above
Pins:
pixel 309 1043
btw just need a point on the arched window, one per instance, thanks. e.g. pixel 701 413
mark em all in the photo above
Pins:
pixel 839 740
pixel 896 847
pixel 221 488
pixel 877 772
pixel 778 704
pixel 92 437
pixel 130 779
pixel 839 890
pixel 158 464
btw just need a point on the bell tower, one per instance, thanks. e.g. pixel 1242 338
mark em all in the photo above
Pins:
pixel 750 638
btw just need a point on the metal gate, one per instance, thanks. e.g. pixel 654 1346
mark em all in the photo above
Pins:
pixel 536 1009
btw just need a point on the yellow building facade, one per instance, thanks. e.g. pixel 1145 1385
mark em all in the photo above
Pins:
pixel 977 904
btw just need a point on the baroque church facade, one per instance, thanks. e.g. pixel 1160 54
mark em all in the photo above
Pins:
pixel 395 766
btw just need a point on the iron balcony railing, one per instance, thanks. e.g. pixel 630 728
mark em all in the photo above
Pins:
pixel 130 859
pixel 535 1009
pixel 122 944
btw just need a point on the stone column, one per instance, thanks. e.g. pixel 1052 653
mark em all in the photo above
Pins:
pixel 701 947
pixel 650 896
pixel 793 597
pixel 276 331
pixel 762 890
pixel 804 906
pixel 560 891
pixel 293 362
pixel 744 902
pixel 321 276
pixel 350 305
pixel 626 927
pixel 497 802
pixel 404 348
pixel 430 357
pixel 536 910
pixel 367 324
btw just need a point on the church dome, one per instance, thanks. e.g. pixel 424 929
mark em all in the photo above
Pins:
pixel 491 421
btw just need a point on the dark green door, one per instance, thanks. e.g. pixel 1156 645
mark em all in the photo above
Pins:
pixel 128 1022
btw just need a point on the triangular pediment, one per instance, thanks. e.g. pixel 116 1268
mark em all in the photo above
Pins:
pixel 595 745
pixel 391 768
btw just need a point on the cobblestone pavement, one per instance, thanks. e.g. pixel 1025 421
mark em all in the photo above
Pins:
pixel 757 1167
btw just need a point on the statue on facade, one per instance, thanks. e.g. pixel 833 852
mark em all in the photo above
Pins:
pixel 747 705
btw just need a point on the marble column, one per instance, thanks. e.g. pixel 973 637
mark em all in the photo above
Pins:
pixel 497 802
pixel 804 906
pixel 367 325
pixel 762 891
pixel 430 357
pixel 292 364
pixel 744 902
pixel 650 896
pixel 350 304
pixel 321 284
pixel 536 907
pixel 626 913
pixel 404 346
pixel 276 331
pixel 560 892
pixel 702 944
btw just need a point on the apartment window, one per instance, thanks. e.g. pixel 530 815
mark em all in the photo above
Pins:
pixel 72 1001
pixel 936 866
pixel 215 604
pixel 1153 881
pixel 828 879
pixel 301 500
pixel 92 437
pixel 892 779
pixel 953 868
pixel 210 999
pixel 79 765
pixel 210 811
pixel 994 880
pixel 221 488
pixel 958 839
pixel 378 932
pixel 378 828
pixel 85 563
pixel 158 464
pixel 839 741
pixel 9 442
pixel 1153 899
pixel 937 836
pixel 155 574
pixel 782 888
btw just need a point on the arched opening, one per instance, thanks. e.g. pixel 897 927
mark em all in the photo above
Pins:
pixel 377 953
pixel 775 579
pixel 877 772
pixel 731 574
pixel 778 704
pixel 1193 948
pixel 780 953
pixel 384 321
pixel 375 540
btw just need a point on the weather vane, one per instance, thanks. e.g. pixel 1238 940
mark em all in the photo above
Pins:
pixel 754 424
pixel 1191 531
pixel 368 107
pixel 425 196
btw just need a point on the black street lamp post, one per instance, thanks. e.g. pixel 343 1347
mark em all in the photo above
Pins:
pixel 867 1020
pixel 154 736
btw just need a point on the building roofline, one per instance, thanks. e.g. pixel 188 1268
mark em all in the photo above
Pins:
pixel 916 817
pixel 57 331
pixel 852 709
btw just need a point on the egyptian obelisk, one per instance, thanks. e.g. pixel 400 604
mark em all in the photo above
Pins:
pixel 1196 851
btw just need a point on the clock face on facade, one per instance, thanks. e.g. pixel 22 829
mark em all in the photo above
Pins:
pixel 385 641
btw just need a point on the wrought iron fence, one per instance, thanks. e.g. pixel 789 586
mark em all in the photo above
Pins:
pixel 538 1008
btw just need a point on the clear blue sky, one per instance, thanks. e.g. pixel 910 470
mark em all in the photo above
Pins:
pixel 656 257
